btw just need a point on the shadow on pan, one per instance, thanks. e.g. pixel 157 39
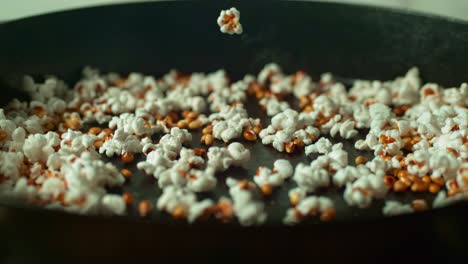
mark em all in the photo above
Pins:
pixel 349 40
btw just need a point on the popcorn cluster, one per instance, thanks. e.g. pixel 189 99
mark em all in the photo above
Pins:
pixel 58 150
pixel 247 208
pixel 266 179
pixel 311 206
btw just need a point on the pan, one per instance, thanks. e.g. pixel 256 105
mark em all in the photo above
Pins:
pixel 352 41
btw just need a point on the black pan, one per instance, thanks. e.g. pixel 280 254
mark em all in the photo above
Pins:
pixel 351 41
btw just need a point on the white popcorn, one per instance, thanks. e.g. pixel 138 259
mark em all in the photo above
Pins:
pixel 442 200
pixel 202 181
pixel 273 105
pixel 220 159
pixel 396 208
pixel 283 167
pixel 63 168
pixel 338 158
pixel 51 188
pixel 198 209
pixel 345 175
pixel 361 192
pixel 307 135
pixel 228 21
pixel 380 112
pixel 282 170
pixel 270 70
pixel 131 124
pixel 22 189
pixel 174 197
pixel 229 123
pixel 10 164
pixel 156 162
pixel 39 147
pixel 376 165
pixel 247 209
pixel 298 193
pixel 310 178
pixel 85 173
pixel 347 130
pixel 325 105
pixel 314 203
pixel 120 143
pixel 75 143
pixel 303 85
pixel 462 175
pixel 114 204
pixel 322 146
pixel 308 205
pixel 239 154
pixel 286 119
pixel 443 164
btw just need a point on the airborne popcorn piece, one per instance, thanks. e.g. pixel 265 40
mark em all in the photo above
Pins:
pixel 228 21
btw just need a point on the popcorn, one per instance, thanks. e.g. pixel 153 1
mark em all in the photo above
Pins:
pixel 113 204
pixel 51 188
pixel 202 181
pixel 199 209
pixel 121 143
pixel 44 156
pixel 443 164
pixel 282 170
pixel 176 198
pixel 239 154
pixel 131 124
pixel 22 189
pixel 156 162
pixel 84 173
pixel 396 208
pixel 38 147
pixel 228 21
pixel 310 205
pixel 287 132
pixel 268 71
pixel 322 146
pixel 220 159
pixel 311 177
pixel 273 105
pixel 247 209
pixel 361 192
pixel 345 175
pixel 230 122
pixel 345 129
pixel 442 200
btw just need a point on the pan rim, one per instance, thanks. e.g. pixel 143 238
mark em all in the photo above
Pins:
pixel 389 9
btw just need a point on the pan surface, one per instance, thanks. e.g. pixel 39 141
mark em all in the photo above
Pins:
pixel 350 41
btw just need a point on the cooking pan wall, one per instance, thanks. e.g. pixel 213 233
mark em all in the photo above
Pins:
pixel 351 41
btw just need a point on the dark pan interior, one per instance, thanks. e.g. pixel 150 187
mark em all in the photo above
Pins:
pixel 348 40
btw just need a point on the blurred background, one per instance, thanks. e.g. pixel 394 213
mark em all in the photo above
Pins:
pixel 22 8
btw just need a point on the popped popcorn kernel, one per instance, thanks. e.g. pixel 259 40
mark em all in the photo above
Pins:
pixel 228 21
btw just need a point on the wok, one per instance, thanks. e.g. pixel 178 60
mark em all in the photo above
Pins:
pixel 352 41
